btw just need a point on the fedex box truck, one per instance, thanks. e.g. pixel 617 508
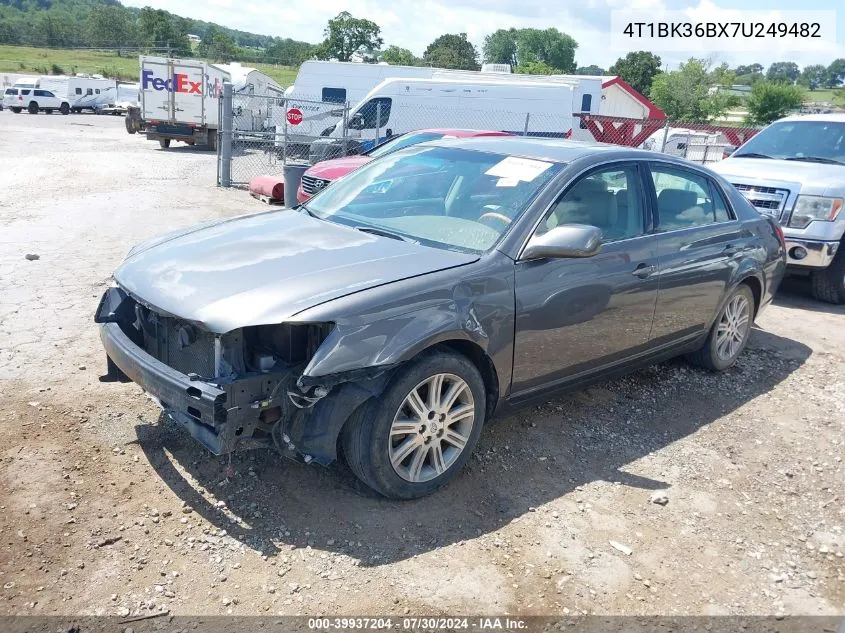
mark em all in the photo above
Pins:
pixel 179 99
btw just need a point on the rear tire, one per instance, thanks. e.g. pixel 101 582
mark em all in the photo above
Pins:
pixel 16 110
pixel 33 108
pixel 65 109
pixel 729 334
pixel 829 284
pixel 164 143
pixel 403 447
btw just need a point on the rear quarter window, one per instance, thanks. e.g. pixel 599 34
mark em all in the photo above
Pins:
pixel 11 91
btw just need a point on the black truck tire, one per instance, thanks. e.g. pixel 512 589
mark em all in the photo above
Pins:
pixel 829 284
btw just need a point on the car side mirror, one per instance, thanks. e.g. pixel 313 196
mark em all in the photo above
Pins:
pixel 356 122
pixel 568 240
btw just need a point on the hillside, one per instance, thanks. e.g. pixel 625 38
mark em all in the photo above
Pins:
pixel 107 24
pixel 46 61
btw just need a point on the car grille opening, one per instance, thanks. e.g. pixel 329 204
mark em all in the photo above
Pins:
pixel 768 200
pixel 179 345
pixel 311 184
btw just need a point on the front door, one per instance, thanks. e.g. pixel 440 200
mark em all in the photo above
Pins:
pixel 574 316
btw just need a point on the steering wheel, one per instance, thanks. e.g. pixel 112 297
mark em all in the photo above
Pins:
pixel 496 216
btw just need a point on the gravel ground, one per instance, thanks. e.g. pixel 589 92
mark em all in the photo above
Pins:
pixel 671 491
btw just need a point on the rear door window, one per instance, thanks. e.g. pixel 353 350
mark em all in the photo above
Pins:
pixel 686 199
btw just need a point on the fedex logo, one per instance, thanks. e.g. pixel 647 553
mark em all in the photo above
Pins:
pixel 178 83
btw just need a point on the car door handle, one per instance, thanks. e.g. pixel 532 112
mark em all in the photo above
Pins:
pixel 644 270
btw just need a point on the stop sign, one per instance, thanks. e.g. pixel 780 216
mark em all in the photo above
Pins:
pixel 294 116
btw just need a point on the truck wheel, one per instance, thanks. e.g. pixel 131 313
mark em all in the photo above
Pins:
pixel 212 140
pixel 16 110
pixel 65 109
pixel 829 284
pixel 33 108
pixel 164 143
pixel 130 127
pixel 420 432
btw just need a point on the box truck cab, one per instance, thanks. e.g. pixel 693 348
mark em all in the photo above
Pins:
pixel 397 106
pixel 794 171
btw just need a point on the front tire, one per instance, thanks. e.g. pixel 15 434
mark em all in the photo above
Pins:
pixel 729 334
pixel 164 143
pixel 829 284
pixel 416 436
pixel 65 109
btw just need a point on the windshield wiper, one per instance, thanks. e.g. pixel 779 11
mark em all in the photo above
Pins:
pixel 384 233
pixel 750 155
pixel 816 159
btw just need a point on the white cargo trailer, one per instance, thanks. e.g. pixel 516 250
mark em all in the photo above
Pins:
pixel 179 99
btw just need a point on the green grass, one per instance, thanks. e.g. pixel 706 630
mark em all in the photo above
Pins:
pixel 819 96
pixel 45 61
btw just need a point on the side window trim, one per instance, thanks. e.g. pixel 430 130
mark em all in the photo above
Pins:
pixel 716 190
pixel 620 165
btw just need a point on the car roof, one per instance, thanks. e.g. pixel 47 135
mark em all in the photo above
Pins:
pixel 460 132
pixel 833 117
pixel 555 150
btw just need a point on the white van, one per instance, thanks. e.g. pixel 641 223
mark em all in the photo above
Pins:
pixel 397 106
pixel 320 84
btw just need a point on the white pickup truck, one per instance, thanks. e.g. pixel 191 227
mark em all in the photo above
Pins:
pixel 794 170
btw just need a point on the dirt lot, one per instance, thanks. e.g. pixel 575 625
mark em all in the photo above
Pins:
pixel 105 508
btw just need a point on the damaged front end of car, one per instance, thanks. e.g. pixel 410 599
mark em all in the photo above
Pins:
pixel 245 388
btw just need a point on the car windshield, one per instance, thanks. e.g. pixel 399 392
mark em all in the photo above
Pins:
pixel 798 140
pixel 443 197
pixel 406 140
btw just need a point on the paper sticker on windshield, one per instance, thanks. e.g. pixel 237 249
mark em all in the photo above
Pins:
pixel 512 167
pixel 507 182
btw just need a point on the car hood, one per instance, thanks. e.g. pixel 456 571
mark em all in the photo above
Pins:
pixel 811 178
pixel 266 268
pixel 334 169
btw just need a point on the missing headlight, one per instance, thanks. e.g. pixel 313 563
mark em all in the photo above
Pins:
pixel 288 343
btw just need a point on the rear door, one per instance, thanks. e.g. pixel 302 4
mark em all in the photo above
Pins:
pixel 156 100
pixel 577 316
pixel 188 90
pixel 700 247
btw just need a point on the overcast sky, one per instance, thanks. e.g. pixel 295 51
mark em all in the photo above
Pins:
pixel 414 24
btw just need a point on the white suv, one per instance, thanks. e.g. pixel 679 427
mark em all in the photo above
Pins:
pixel 34 100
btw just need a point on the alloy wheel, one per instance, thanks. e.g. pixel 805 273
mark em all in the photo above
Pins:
pixel 733 327
pixel 431 428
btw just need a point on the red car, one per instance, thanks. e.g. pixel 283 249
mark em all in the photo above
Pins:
pixel 320 175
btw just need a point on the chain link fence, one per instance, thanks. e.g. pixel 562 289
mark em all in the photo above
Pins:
pixel 260 134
